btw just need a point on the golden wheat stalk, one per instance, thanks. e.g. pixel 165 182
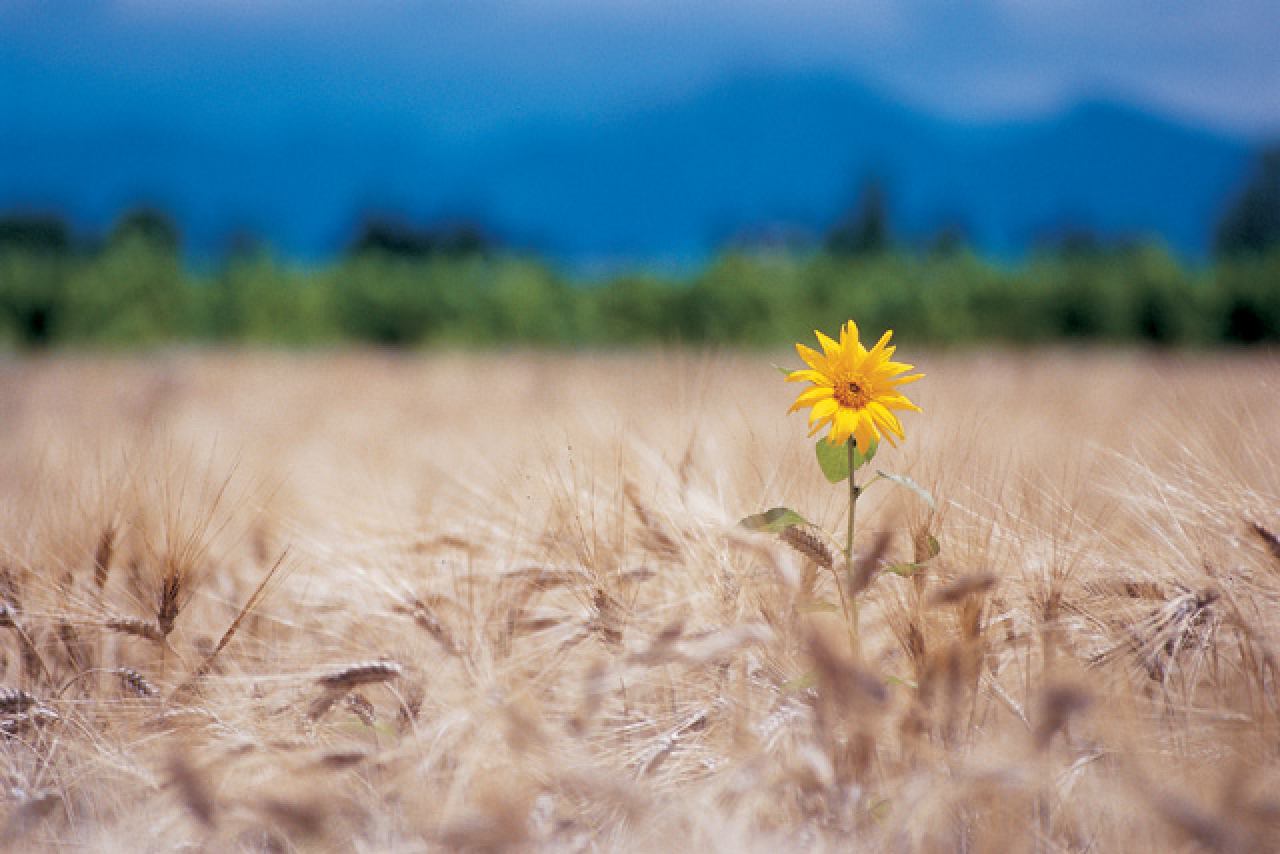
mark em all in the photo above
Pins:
pixel 102 556
pixel 809 544
pixel 136 628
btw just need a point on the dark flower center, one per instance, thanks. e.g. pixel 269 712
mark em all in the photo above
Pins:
pixel 851 394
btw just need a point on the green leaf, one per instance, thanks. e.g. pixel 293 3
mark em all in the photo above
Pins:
pixel 935 547
pixel 819 606
pixel 773 521
pixel 903 480
pixel 833 460
pixel 898 680
pixel 906 570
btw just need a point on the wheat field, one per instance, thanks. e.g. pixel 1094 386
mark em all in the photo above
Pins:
pixel 368 602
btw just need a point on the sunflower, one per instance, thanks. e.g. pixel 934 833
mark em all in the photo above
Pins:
pixel 854 389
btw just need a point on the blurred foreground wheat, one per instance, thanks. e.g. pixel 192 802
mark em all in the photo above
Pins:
pixel 500 602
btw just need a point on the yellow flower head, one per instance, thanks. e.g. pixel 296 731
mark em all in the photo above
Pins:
pixel 854 389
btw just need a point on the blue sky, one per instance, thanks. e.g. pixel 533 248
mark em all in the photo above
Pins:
pixel 292 119
pixel 464 66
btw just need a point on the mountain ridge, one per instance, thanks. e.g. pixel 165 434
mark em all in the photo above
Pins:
pixel 663 183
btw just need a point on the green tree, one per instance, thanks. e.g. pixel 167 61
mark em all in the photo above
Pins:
pixel 865 229
pixel 527 304
pixel 32 296
pixel 148 225
pixel 36 257
pixel 35 233
pixel 256 300
pixel 1247 292
pixel 1252 222
pixel 135 292
pixel 742 299
pixel 130 296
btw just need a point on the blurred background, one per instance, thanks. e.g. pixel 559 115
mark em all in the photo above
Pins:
pixel 592 173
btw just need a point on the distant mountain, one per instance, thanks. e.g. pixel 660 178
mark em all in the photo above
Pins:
pixel 667 183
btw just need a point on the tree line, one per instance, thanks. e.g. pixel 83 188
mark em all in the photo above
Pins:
pixel 404 286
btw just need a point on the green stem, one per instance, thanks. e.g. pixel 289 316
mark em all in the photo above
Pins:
pixel 854 492
pixel 850 444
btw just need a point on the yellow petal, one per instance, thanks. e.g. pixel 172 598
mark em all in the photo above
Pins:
pixel 817 426
pixel 896 401
pixel 879 348
pixel 905 380
pixel 829 347
pixel 848 332
pixel 866 433
pixel 823 409
pixel 847 421
pixel 810 396
pixel 835 437
pixel 815 377
pixel 883 375
pixel 814 359
pixel 885 419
